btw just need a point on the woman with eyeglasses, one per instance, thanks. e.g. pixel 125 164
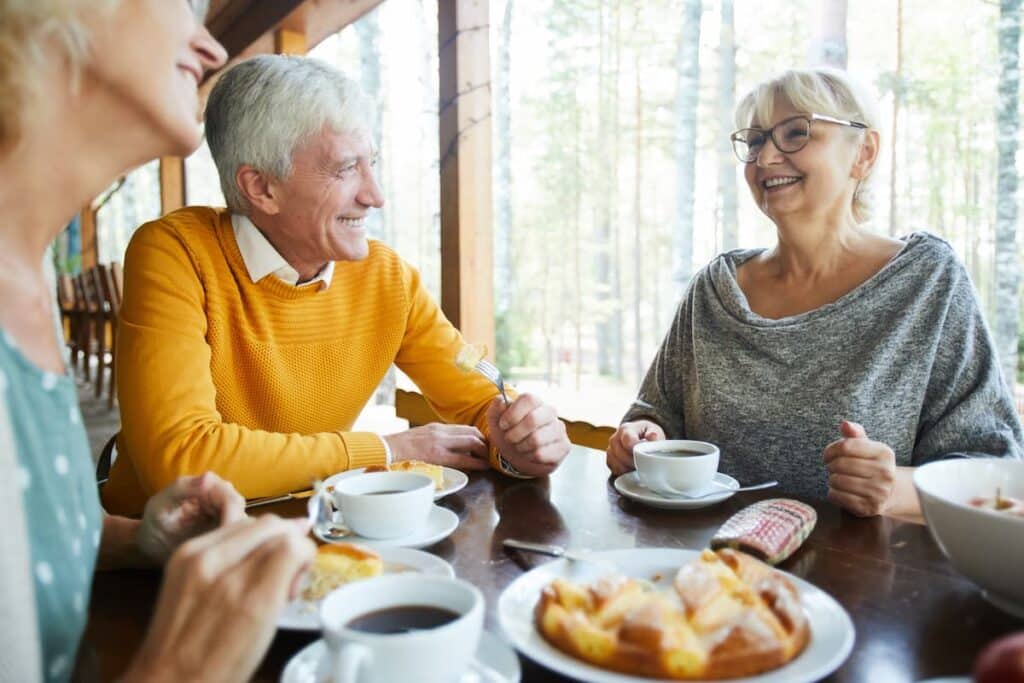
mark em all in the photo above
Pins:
pixel 839 359
pixel 92 88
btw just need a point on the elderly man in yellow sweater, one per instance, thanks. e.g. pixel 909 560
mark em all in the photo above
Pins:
pixel 251 337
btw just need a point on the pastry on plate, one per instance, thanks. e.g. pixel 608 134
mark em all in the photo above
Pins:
pixel 729 615
pixel 435 472
pixel 338 564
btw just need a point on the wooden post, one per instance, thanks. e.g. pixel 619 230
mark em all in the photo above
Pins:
pixel 289 42
pixel 172 184
pixel 90 245
pixel 467 285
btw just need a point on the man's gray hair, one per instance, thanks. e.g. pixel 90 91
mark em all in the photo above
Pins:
pixel 265 108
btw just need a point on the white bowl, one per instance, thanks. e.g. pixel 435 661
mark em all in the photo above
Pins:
pixel 986 546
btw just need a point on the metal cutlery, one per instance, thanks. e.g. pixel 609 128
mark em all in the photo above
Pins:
pixel 269 500
pixel 679 495
pixel 491 372
pixel 320 511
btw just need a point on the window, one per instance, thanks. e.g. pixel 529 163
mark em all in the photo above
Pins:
pixel 128 206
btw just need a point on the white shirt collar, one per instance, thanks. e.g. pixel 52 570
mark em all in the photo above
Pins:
pixel 261 259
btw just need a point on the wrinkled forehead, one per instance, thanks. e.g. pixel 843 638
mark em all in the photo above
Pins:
pixel 334 146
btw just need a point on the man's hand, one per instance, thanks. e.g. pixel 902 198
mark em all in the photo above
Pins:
pixel 861 472
pixel 629 434
pixel 187 508
pixel 528 434
pixel 458 446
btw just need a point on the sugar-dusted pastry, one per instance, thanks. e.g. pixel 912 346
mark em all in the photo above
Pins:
pixel 730 615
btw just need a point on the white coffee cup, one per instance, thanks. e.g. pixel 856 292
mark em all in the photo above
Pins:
pixel 385 504
pixel 676 466
pixel 432 655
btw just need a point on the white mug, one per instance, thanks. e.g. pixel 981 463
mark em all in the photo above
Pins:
pixel 385 504
pixel 662 467
pixel 432 655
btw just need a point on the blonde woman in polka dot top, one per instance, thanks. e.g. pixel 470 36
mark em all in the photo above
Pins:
pixel 91 89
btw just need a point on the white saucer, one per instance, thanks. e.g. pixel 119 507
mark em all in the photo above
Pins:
pixel 440 523
pixel 629 485
pixel 309 665
pixel 304 615
pixel 454 480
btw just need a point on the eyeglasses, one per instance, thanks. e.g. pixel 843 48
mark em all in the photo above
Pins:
pixel 788 136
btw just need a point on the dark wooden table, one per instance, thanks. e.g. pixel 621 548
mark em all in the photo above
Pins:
pixel 915 617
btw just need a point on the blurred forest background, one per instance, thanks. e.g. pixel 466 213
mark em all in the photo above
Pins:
pixel 613 176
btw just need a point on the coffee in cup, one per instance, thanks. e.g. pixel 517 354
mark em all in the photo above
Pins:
pixel 402 628
pixel 676 466
pixel 385 504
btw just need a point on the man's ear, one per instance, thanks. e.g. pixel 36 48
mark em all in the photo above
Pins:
pixel 258 188
pixel 867 155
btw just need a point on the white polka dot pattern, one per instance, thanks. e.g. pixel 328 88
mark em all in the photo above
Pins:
pixel 44 573
pixel 24 478
pixel 60 463
pixel 57 666
pixel 49 381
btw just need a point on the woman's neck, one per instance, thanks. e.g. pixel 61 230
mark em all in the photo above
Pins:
pixel 808 249
pixel 70 148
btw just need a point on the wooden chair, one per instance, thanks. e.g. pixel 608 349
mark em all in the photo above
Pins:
pixel 70 315
pixel 83 337
pixel 110 306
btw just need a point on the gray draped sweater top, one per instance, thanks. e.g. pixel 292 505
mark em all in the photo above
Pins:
pixel 906 354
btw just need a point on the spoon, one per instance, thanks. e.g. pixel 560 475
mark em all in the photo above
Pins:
pixel 321 515
pixel 722 489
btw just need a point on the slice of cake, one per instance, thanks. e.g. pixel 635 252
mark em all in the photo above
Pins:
pixel 338 564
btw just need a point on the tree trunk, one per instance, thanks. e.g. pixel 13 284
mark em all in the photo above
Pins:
pixel 828 48
pixel 897 98
pixel 726 103
pixel 638 241
pixel 1008 124
pixel 687 99
pixel 504 280
pixel 368 30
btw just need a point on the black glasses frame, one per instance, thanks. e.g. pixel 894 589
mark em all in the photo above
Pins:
pixel 738 138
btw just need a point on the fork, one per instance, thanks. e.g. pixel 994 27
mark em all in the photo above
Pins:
pixel 491 372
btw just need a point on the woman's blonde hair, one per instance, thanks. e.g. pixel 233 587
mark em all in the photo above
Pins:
pixel 29 31
pixel 819 90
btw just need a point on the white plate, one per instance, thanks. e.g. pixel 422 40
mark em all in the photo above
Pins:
pixel 454 480
pixel 309 665
pixel 440 523
pixel 832 631
pixel 304 615
pixel 629 485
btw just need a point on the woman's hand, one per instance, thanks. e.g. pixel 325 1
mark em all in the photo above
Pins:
pixel 187 508
pixel 528 434
pixel 220 597
pixel 861 472
pixel 629 434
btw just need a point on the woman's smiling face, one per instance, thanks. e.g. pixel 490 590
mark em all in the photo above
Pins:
pixel 817 179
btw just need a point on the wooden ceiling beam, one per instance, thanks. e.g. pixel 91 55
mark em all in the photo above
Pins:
pixel 238 23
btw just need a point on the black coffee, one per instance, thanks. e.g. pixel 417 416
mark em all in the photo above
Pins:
pixel 681 453
pixel 381 493
pixel 403 619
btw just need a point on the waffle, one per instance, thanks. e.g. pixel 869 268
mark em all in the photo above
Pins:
pixel 729 615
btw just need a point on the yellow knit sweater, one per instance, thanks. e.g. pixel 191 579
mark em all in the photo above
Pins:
pixel 260 382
